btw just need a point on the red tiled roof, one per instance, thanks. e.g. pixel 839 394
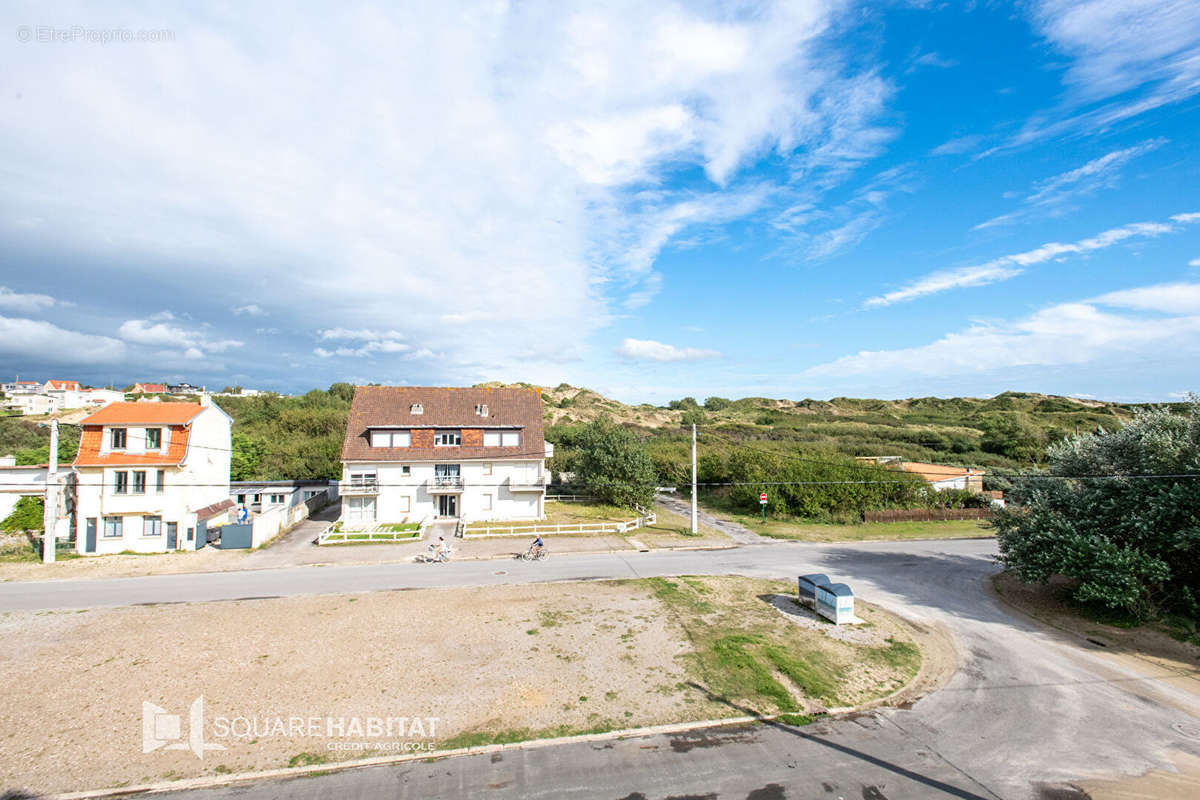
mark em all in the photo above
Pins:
pixel 391 406
pixel 144 413
pixel 58 384
pixel 93 438
pixel 150 388
pixel 938 472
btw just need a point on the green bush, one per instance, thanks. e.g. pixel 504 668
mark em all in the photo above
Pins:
pixel 27 516
pixel 1129 543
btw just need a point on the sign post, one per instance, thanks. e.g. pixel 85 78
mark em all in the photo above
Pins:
pixel 762 501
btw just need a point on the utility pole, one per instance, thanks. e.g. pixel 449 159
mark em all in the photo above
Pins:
pixel 695 529
pixel 50 512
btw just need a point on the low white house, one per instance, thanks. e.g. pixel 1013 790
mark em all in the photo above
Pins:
pixel 148 475
pixel 413 453
pixel 17 482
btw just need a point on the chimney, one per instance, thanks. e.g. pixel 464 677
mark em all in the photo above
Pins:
pixel 205 399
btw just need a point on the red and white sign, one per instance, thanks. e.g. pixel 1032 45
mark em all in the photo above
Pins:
pixel 762 498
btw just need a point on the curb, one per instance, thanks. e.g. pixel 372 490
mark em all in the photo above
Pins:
pixel 215 781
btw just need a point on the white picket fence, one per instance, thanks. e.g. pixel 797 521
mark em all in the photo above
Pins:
pixel 374 533
pixel 547 529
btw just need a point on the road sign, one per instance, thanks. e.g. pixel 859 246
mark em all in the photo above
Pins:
pixel 762 498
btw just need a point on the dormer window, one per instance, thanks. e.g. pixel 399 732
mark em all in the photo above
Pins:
pixel 153 438
pixel 447 439
pixel 116 438
pixel 391 439
pixel 416 408
pixel 481 409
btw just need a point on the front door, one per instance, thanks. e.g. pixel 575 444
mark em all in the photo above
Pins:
pixel 172 535
pixel 447 505
pixel 89 542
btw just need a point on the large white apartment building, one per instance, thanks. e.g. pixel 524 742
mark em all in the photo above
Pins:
pixel 413 453
pixel 149 475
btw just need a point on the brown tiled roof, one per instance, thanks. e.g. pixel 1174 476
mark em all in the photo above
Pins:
pixel 210 511
pixel 390 406
pixel 939 472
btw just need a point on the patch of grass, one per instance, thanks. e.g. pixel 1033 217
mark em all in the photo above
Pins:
pixel 814 674
pixel 307 759
pixel 905 657
pixel 809 531
pixel 532 631
pixel 796 720
pixel 673 595
pixel 732 669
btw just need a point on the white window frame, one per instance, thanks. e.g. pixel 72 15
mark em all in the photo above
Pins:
pixel 491 438
pixel 487 468
pixel 404 503
pixel 510 439
pixel 121 482
pixel 159 432
pixel 151 527
pixel 454 436
pixel 486 504
pixel 119 527
pixel 133 488
pixel 118 433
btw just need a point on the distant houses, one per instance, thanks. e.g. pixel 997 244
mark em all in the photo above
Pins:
pixel 939 476
pixel 38 398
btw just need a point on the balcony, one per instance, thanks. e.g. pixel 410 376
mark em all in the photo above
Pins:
pixel 445 484
pixel 361 486
pixel 527 483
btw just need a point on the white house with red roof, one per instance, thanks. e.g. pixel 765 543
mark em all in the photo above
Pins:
pixel 149 475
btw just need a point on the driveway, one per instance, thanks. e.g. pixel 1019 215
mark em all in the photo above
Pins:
pixel 683 507
pixel 1030 709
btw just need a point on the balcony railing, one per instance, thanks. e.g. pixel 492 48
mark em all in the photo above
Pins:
pixel 446 483
pixel 361 486
pixel 527 483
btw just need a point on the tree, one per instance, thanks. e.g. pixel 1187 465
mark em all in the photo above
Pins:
pixel 683 405
pixel 717 403
pixel 27 516
pixel 1128 543
pixel 247 457
pixel 613 464
pixel 693 416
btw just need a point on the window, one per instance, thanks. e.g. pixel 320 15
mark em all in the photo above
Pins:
pixel 404 503
pixel 481 409
pixel 277 499
pixel 487 469
pixel 491 439
pixel 151 526
pixel 360 509
pixel 121 482
pixel 362 480
pixel 486 504
pixel 405 470
pixel 510 439
pixel 391 439
pixel 241 499
pixel 112 527
pixel 191 534
pixel 139 481
pixel 153 438
pixel 447 439
pixel 416 408
pixel 160 480
pixel 116 438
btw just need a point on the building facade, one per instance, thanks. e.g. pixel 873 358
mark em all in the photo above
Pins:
pixel 148 475
pixel 418 453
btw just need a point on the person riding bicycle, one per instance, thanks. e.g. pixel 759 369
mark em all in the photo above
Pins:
pixel 537 547
pixel 439 551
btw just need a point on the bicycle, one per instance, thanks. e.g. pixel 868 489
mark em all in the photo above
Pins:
pixel 534 553
pixel 434 557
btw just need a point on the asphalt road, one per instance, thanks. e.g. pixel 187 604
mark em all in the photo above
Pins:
pixel 1029 712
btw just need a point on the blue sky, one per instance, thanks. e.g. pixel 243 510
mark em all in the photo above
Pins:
pixel 803 199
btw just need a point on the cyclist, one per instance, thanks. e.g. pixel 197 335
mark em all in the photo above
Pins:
pixel 537 548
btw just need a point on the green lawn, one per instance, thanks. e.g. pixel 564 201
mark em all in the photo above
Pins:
pixel 824 532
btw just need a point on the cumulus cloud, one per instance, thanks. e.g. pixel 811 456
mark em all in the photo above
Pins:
pixel 650 350
pixel 370 342
pixel 251 310
pixel 158 332
pixel 40 341
pixel 1005 267
pixel 18 301
pixel 1064 334
pixel 498 148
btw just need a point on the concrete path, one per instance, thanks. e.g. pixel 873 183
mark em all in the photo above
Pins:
pixel 294 546
pixel 739 533
pixel 1030 711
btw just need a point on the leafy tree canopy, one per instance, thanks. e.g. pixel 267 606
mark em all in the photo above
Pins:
pixel 612 463
pixel 1130 543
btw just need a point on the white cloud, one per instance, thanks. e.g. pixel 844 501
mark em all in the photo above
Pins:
pixel 1127 57
pixel 1063 334
pixel 649 350
pixel 40 341
pixel 156 332
pixel 24 302
pixel 1195 262
pixel 1005 267
pixel 958 145
pixel 1054 194
pixel 373 342
pixel 498 147
pixel 251 310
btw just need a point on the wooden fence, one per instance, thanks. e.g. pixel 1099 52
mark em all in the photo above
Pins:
pixel 552 528
pixel 926 514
